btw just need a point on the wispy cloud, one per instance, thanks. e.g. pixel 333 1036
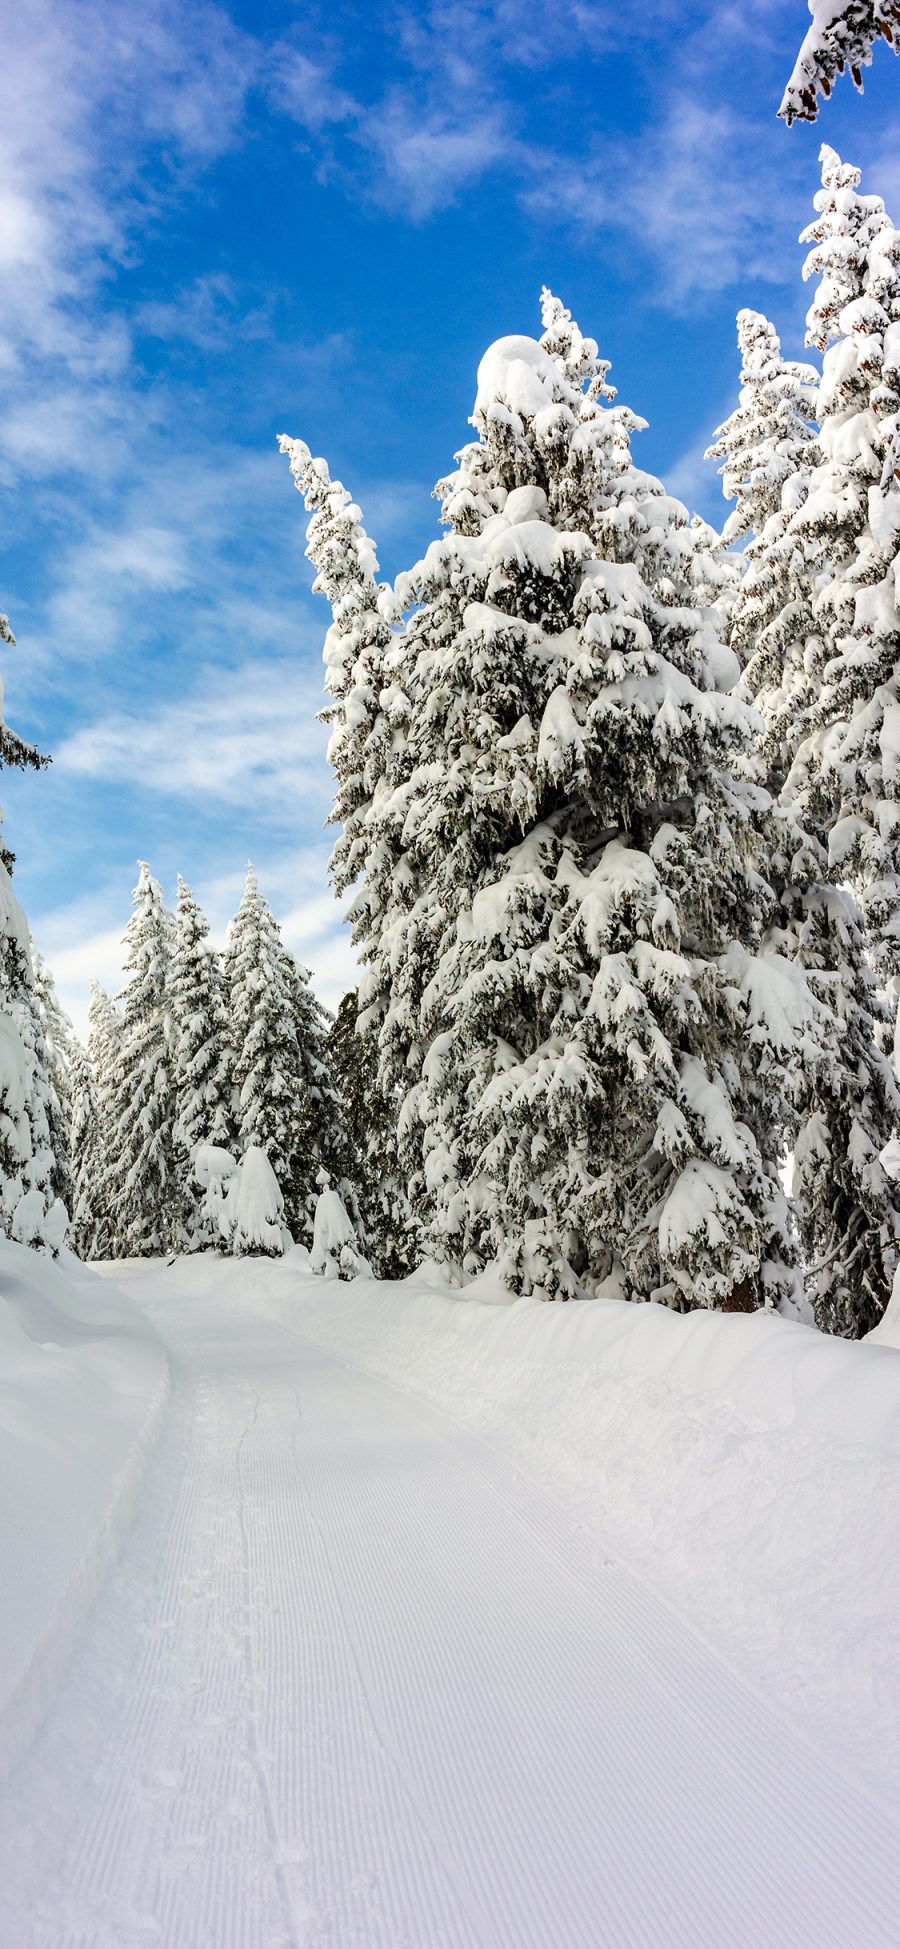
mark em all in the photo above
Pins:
pixel 423 162
pixel 689 195
pixel 245 736
pixel 209 314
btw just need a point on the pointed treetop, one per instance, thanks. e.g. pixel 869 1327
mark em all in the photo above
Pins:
pixel 146 884
pixel 837 174
pixel 842 233
pixel 342 553
pixel 578 357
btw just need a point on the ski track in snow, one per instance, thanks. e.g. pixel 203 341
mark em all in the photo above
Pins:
pixel 355 1683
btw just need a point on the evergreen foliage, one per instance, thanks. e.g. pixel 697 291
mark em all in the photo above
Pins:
pixel 105 1033
pixel 845 775
pixel 335 1245
pixel 202 1057
pixel 560 915
pixel 32 1155
pixel 842 35
pixel 91 1232
pixel 392 1235
pixel 60 1054
pixel 147 1162
pixel 285 1099
pixel 846 1102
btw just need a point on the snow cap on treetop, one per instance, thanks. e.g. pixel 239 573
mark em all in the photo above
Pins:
pixel 517 372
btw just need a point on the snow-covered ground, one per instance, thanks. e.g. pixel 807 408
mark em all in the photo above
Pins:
pixel 83 1385
pixel 446 1622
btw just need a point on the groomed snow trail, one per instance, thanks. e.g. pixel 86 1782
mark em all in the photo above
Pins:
pixel 356 1683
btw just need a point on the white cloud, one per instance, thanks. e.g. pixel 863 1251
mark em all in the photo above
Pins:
pixel 245 736
pixel 304 90
pixel 424 159
pixel 696 194
pixel 88 92
pixel 208 313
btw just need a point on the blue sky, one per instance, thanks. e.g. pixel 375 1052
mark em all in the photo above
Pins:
pixel 217 224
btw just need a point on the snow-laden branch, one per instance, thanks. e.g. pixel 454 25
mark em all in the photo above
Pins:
pixel 842 35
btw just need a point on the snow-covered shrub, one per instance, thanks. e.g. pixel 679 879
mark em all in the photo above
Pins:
pixel 253 1210
pixel 335 1248
pixel 213 1170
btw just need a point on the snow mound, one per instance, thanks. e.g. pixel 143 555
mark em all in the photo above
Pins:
pixel 83 1380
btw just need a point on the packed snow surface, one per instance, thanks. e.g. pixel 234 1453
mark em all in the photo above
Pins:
pixel 83 1381
pixel 442 1621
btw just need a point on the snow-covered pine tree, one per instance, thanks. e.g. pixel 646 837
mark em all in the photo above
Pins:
pixel 148 1166
pixel 368 707
pixel 29 1208
pixel 105 1032
pixel 392 1235
pixel 14 750
pixel 40 1216
pixel 272 1111
pixel 62 1056
pixel 842 35
pixel 846 774
pixel 323 1140
pixel 253 1212
pixel 90 1232
pixel 768 450
pixel 769 435
pixel 560 914
pixel 847 1102
pixel 203 1060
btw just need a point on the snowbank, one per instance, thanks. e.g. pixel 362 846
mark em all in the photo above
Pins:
pixel 745 1465
pixel 83 1379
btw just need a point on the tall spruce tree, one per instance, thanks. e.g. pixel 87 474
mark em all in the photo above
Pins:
pixel 30 1211
pixel 768 450
pixel 148 1166
pixel 40 1217
pixel 368 714
pixel 323 1139
pixel 90 1230
pixel 271 1110
pixel 62 1055
pixel 100 1193
pixel 560 912
pixel 846 1103
pixel 203 1059
pixel 389 1226
pixel 845 774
